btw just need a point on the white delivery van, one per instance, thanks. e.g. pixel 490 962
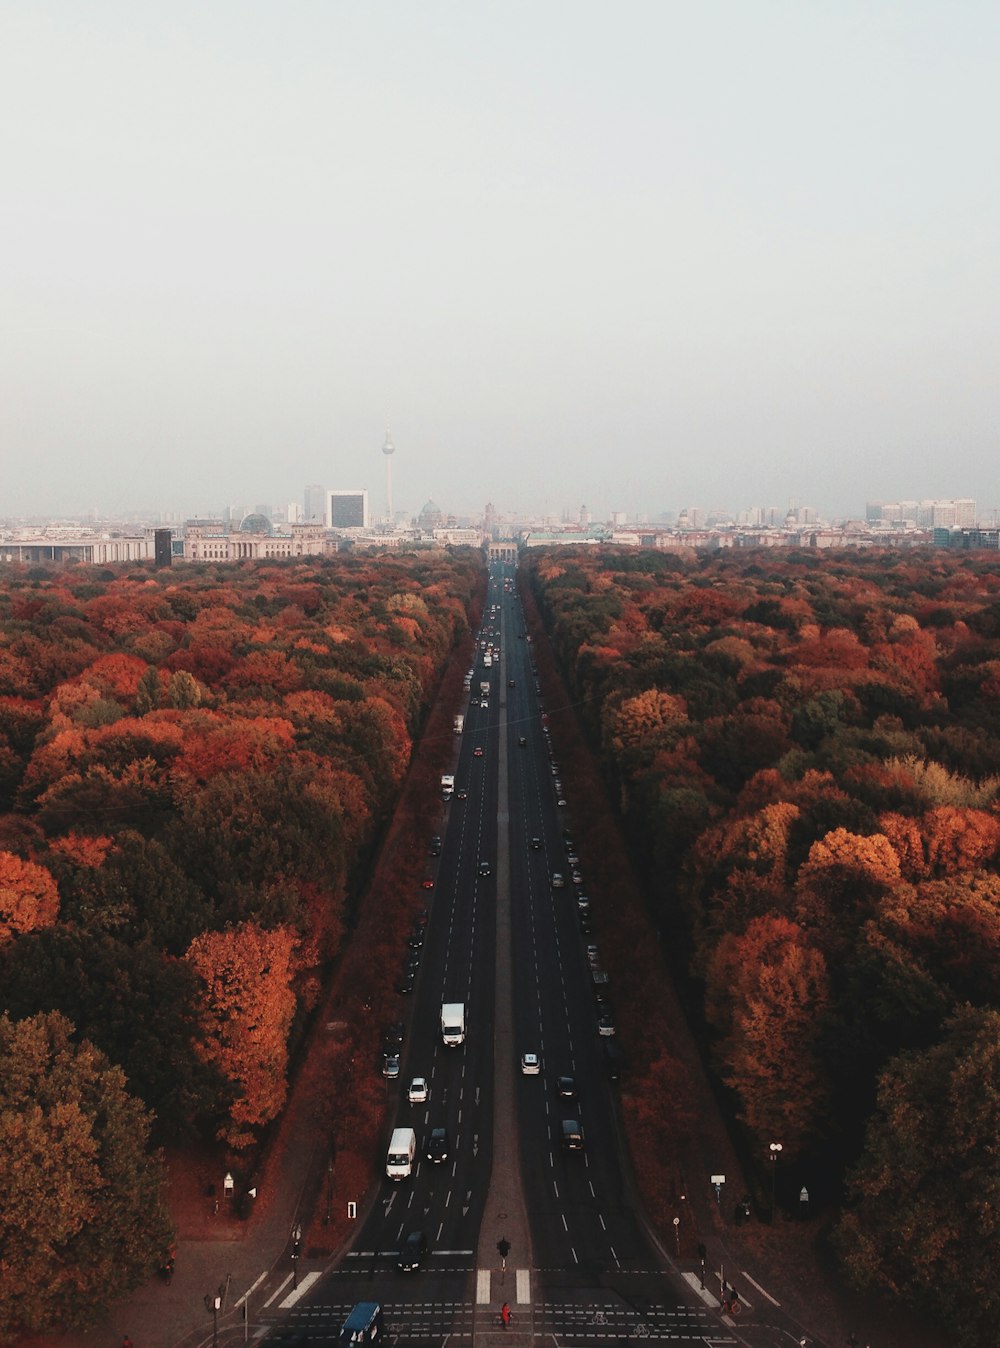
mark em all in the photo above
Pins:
pixel 402 1149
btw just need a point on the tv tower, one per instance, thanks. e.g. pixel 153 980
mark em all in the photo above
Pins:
pixel 388 449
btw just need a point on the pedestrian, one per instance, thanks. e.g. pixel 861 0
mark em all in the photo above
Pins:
pixel 127 1342
pixel 505 1314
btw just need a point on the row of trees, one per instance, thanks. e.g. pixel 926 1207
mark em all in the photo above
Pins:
pixel 195 767
pixel 805 751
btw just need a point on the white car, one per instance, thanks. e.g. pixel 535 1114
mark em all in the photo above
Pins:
pixel 557 881
pixel 530 1064
pixel 417 1093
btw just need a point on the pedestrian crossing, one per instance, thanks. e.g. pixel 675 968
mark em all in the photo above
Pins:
pixel 572 1322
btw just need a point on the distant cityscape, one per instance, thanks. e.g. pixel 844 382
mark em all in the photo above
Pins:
pixel 331 519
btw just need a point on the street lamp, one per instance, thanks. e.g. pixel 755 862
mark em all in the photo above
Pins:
pixel 774 1148
pixel 296 1250
pixel 214 1304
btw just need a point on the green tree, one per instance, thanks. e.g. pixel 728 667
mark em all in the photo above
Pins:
pixel 926 1217
pixel 133 1004
pixel 83 1219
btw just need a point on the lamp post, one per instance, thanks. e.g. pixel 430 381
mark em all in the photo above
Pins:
pixel 296 1250
pixel 775 1149
pixel 214 1304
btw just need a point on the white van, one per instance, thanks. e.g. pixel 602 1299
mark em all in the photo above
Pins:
pixel 402 1149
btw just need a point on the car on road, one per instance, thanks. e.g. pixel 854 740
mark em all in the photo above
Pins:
pixel 582 903
pixel 530 1065
pixel 536 842
pixel 605 1025
pixel 434 847
pixel 427 882
pixel 571 857
pixel 413 1253
pixel 560 800
pixel 416 938
pixel 571 1134
pixel 390 1066
pixel 522 740
pixel 511 683
pixel 566 1088
pixel 438 1145
pixel 408 982
pixel 417 1091
pixel 593 957
pixel 557 880
pixel 485 868
pixel 576 876
pixel 477 751
pixel 462 793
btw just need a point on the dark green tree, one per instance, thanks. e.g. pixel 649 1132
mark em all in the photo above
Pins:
pixel 134 1004
pixel 925 1223
pixel 83 1219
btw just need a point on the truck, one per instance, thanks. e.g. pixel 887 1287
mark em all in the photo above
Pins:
pixel 459 724
pixel 447 785
pixel 402 1149
pixel 364 1324
pixel 452 1024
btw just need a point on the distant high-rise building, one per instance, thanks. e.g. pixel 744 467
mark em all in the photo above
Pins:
pixel 347 509
pixel 314 504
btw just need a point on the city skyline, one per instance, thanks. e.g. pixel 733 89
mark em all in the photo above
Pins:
pixel 703 254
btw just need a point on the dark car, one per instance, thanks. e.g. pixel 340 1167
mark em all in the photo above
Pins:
pixel 416 938
pixel 522 740
pixel 435 846
pixel 485 868
pixel 571 1134
pixel 408 981
pixel 438 1145
pixel 394 1036
pixel 462 793
pixel 536 842
pixel 413 1253
pixel 566 1088
pixel 511 683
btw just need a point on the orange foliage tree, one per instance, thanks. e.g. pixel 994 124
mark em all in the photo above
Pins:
pixel 245 1017
pixel 766 992
pixel 28 897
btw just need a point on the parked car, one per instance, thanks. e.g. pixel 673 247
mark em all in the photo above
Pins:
pixel 435 845
pixel 390 1066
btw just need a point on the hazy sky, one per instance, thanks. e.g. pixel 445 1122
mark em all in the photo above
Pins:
pixel 630 255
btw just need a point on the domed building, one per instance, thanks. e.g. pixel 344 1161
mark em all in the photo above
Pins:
pixel 255 523
pixel 431 517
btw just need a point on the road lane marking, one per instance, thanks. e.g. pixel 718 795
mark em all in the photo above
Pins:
pixel 483 1276
pixel 300 1291
pixel 274 1296
pixel 523 1286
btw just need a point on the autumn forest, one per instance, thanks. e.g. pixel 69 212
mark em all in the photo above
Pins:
pixel 194 769
pixel 198 766
pixel 806 752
